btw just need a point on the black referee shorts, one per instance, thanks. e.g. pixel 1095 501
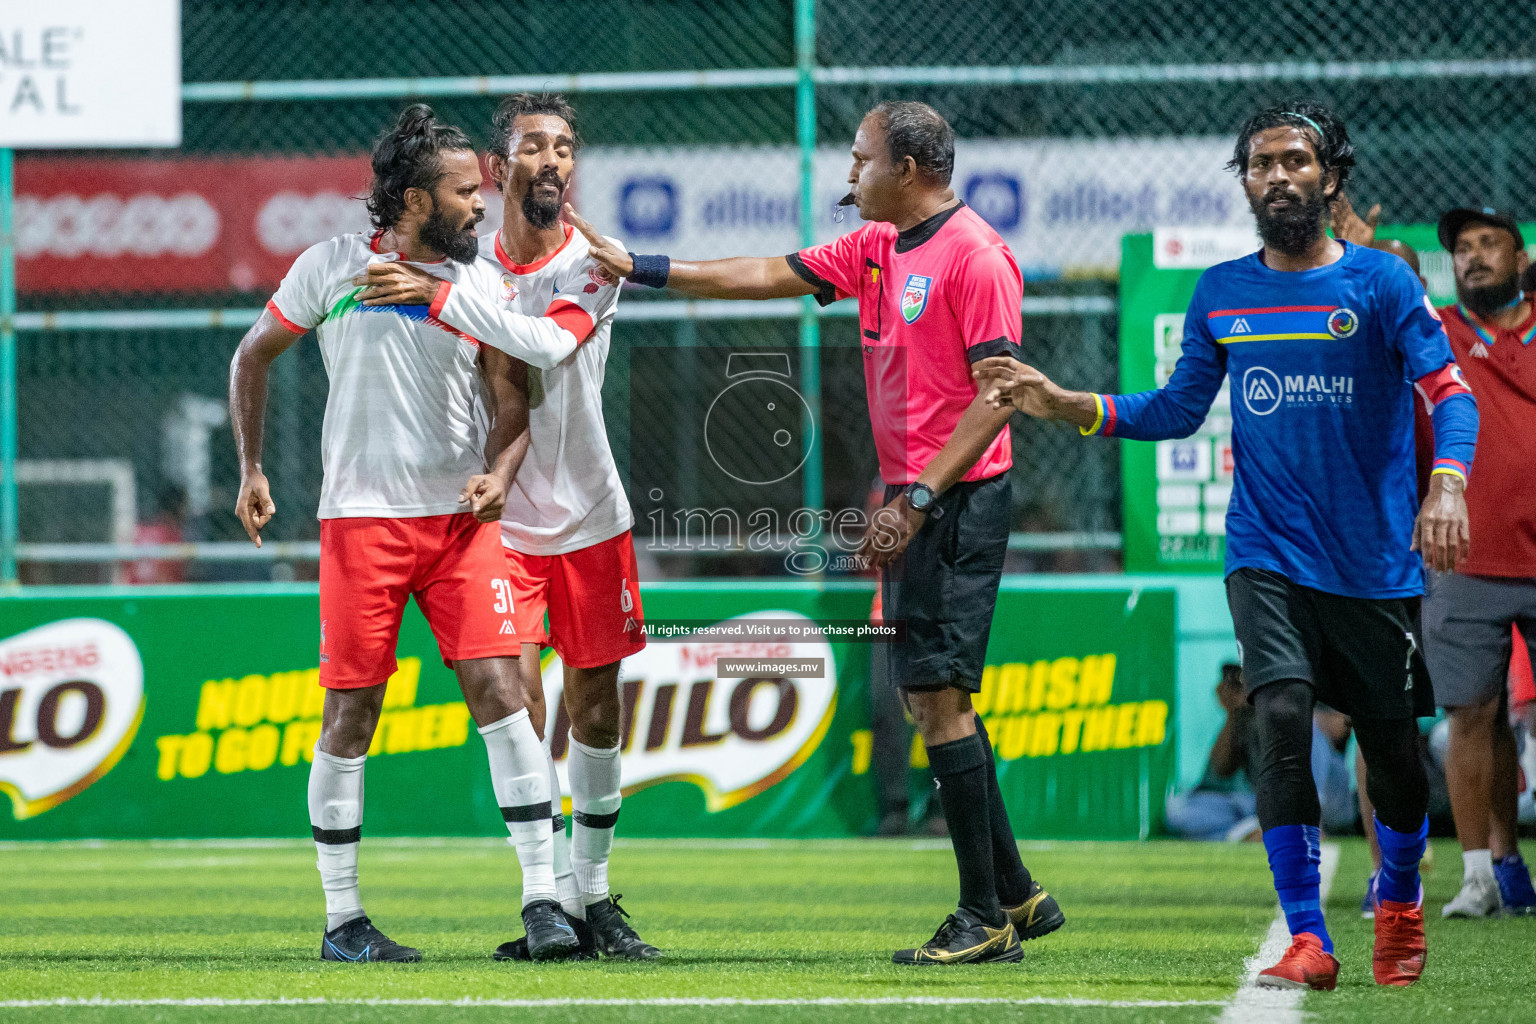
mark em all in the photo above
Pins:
pixel 944 587
pixel 1361 655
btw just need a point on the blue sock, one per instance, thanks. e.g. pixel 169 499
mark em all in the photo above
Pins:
pixel 1400 854
pixel 1295 851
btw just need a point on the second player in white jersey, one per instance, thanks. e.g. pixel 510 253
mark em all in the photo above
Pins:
pixel 567 494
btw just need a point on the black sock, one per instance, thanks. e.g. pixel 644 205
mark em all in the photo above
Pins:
pixel 1013 878
pixel 960 771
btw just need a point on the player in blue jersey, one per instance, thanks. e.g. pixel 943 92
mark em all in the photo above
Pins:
pixel 1324 343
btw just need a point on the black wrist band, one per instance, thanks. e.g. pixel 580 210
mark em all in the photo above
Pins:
pixel 651 271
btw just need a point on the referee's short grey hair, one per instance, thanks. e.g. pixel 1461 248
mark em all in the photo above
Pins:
pixel 918 131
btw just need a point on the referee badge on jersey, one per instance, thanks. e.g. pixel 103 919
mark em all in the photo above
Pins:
pixel 914 296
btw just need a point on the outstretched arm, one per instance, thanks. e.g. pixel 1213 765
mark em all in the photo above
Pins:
pixel 741 277
pixel 265 341
pixel 1174 410
pixel 537 340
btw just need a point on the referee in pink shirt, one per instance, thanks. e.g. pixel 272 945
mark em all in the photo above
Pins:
pixel 937 291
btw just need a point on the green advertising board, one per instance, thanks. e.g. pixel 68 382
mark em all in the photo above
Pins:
pixel 1176 491
pixel 187 712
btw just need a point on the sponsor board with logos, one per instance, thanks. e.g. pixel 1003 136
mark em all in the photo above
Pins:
pixel 193 714
pixel 236 224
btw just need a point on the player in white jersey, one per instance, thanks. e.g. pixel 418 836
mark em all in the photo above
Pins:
pixel 567 523
pixel 418 454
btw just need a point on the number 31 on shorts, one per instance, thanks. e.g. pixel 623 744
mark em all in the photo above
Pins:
pixel 503 591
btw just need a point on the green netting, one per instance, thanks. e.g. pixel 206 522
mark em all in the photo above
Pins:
pixel 1430 136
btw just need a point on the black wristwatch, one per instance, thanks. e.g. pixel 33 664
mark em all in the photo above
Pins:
pixel 922 498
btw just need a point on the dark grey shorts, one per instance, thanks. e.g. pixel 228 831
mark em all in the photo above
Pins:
pixel 944 587
pixel 1467 638
pixel 1360 655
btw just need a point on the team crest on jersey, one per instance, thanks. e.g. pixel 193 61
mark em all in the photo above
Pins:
pixel 914 296
pixel 508 288
pixel 1343 322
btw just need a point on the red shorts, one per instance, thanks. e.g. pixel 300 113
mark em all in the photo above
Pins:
pixel 592 596
pixel 451 564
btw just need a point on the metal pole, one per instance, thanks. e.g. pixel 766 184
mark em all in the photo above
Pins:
pixel 810 327
pixel 8 511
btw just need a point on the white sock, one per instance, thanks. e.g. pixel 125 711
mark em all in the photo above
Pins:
pixel 595 800
pixel 1477 864
pixel 520 780
pixel 336 817
pixel 565 877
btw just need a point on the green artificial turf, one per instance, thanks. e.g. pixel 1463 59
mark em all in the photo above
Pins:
pixel 745 921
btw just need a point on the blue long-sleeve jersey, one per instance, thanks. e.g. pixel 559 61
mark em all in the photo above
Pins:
pixel 1323 365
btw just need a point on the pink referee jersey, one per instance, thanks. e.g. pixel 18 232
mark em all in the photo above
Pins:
pixel 932 300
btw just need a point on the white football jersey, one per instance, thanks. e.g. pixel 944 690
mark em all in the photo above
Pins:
pixel 567 494
pixel 404 419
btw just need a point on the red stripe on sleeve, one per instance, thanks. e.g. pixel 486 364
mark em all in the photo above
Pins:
pixel 1213 314
pixel 1442 384
pixel 571 317
pixel 289 324
pixel 440 299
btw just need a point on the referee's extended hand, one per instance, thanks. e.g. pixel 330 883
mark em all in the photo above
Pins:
pixel 1441 534
pixel 396 284
pixel 614 260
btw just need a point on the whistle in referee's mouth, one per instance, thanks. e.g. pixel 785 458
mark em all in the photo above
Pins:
pixel 841 208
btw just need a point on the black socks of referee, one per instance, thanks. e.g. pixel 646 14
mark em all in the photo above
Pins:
pixel 961 772
pixel 1013 878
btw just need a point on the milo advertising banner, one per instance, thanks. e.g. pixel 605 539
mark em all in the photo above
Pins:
pixel 193 712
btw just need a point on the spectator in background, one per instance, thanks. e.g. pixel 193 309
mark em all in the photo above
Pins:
pixel 1470 614
pixel 167 527
pixel 1222 805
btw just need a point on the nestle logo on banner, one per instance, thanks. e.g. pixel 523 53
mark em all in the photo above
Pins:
pixel 71 699
pixel 648 207
pixel 997 198
pixel 733 738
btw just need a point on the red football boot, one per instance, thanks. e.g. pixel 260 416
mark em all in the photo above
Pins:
pixel 1305 965
pixel 1398 958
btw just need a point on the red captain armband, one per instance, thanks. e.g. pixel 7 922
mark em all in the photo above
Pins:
pixel 571 317
pixel 1442 384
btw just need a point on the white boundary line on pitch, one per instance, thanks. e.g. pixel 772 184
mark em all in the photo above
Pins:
pixel 1254 1005
pixel 545 1004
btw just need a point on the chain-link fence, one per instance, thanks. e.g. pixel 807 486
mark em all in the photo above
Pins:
pixel 1078 122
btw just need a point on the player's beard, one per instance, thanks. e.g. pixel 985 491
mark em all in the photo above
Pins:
pixel 1294 230
pixel 458 244
pixel 543 213
pixel 1488 299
